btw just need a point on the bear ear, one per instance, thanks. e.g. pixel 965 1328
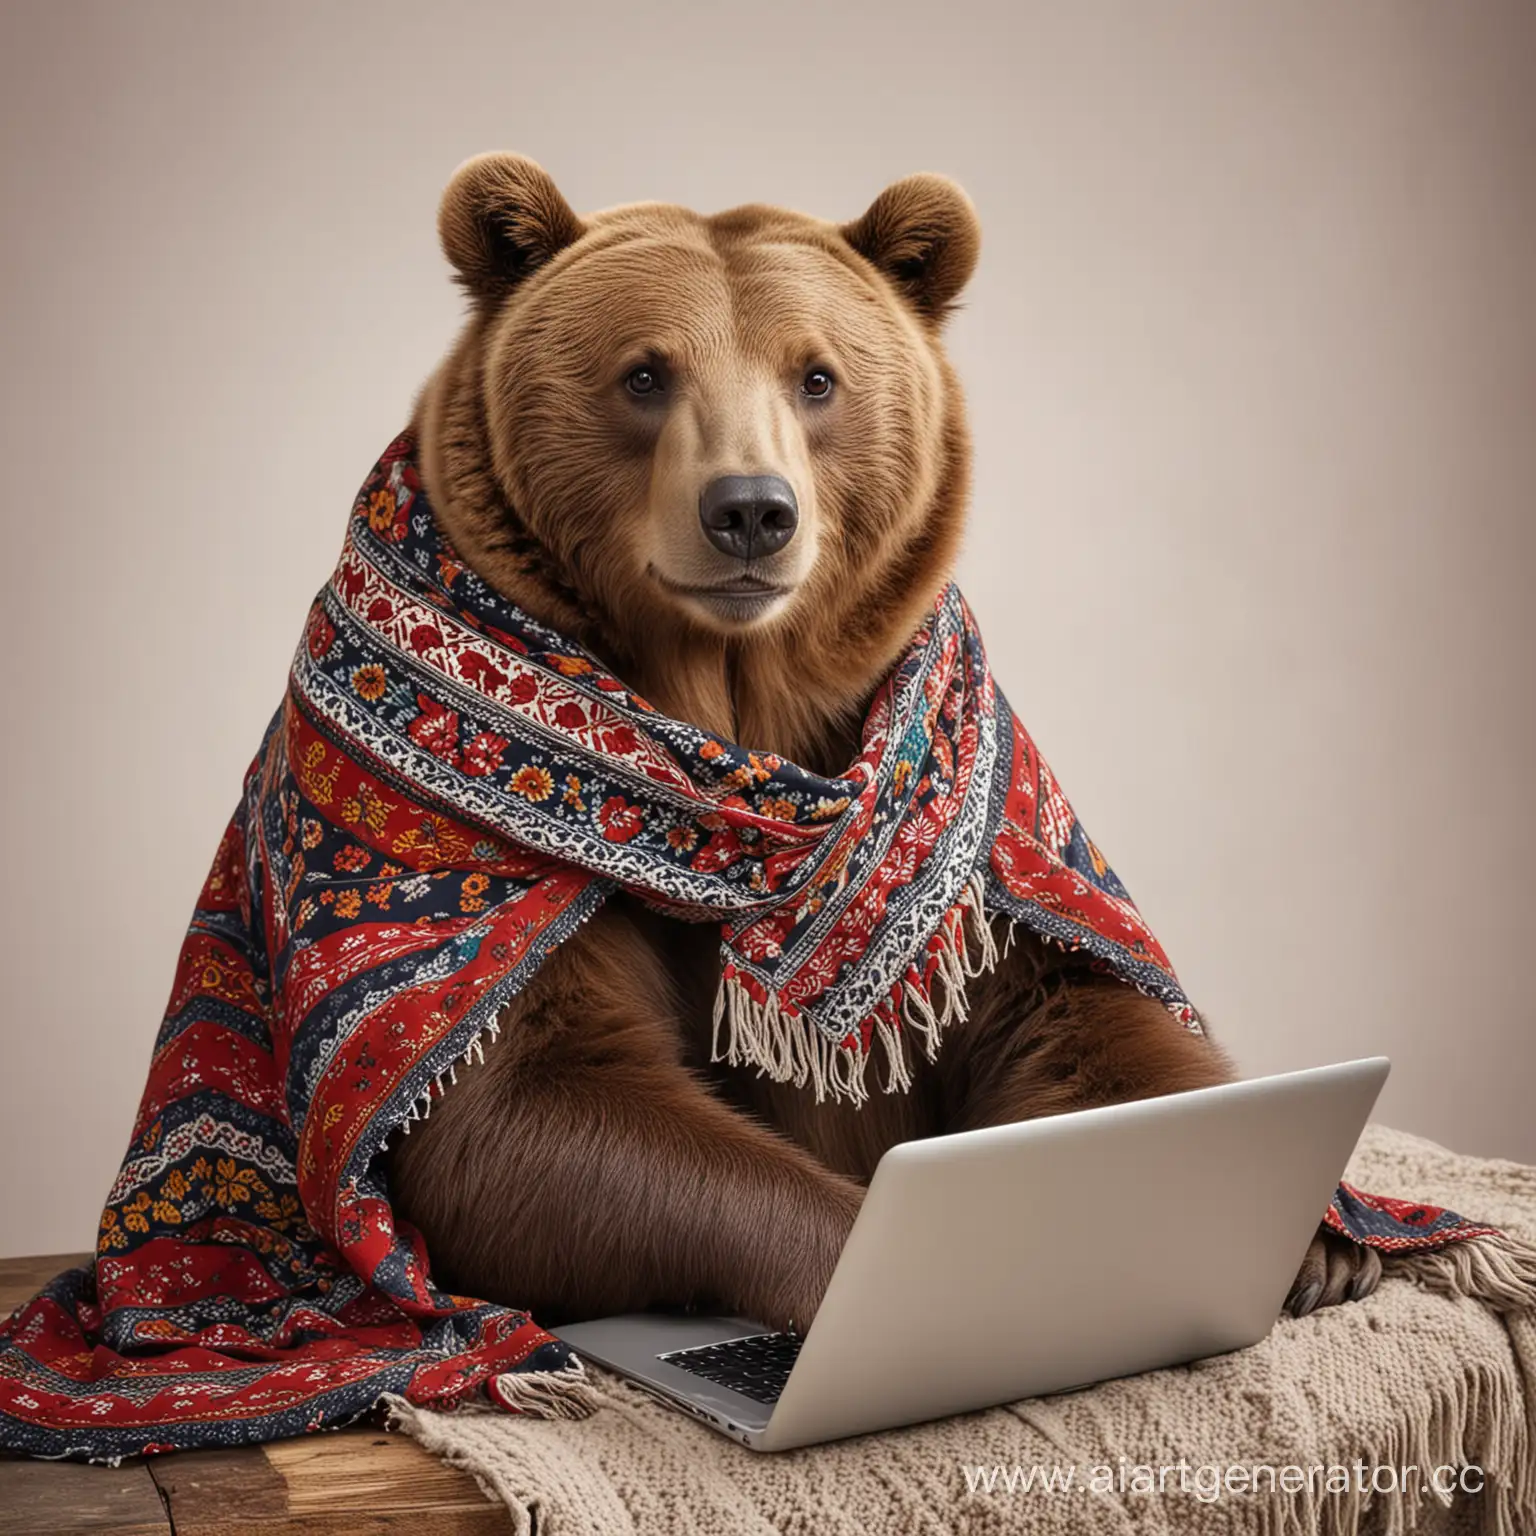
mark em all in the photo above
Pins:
pixel 923 234
pixel 501 218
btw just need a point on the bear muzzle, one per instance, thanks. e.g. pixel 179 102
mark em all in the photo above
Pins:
pixel 749 516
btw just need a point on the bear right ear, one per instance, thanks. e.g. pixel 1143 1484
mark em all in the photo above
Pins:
pixel 501 218
pixel 923 234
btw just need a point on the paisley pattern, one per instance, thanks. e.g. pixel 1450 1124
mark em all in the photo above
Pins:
pixel 448 790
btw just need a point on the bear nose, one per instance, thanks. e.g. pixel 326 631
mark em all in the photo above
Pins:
pixel 749 515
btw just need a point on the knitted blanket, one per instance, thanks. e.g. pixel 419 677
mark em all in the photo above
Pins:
pixel 448 790
pixel 1310 1433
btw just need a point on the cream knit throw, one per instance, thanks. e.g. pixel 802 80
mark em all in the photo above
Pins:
pixel 1408 1376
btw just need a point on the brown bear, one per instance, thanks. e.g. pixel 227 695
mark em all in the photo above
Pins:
pixel 729 456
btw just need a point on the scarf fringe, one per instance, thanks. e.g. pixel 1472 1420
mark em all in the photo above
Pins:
pixel 569 1393
pixel 421 1106
pixel 1498 1270
pixel 565 1394
pixel 763 1031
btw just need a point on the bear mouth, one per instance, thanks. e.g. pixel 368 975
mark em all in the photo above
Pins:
pixel 738 601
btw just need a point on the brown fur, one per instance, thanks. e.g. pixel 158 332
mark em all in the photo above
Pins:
pixel 598 1161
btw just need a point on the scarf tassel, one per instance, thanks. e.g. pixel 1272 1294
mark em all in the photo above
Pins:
pixel 568 1393
pixel 760 1029
pixel 1497 1269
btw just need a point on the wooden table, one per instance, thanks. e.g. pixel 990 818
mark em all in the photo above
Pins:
pixel 351 1480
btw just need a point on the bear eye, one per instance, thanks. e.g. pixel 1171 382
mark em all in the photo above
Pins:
pixel 643 381
pixel 817 384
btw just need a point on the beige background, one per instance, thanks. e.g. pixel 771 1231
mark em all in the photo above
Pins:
pixel 1252 359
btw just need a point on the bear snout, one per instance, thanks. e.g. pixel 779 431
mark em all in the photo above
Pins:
pixel 749 516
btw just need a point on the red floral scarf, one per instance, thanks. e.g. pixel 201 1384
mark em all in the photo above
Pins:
pixel 448 790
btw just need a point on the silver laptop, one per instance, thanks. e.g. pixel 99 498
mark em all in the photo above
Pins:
pixel 1022 1259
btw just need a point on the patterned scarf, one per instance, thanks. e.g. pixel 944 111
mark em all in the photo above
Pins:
pixel 448 790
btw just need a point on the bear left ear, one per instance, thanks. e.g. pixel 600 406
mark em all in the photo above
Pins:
pixel 923 234
pixel 501 218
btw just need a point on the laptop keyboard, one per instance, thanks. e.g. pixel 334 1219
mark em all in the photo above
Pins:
pixel 756 1366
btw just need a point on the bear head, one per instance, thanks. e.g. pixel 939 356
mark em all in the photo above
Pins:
pixel 726 452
